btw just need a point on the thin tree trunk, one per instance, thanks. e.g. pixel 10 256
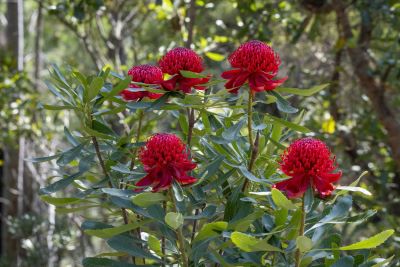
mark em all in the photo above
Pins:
pixel 360 61
pixel 13 165
pixel 38 38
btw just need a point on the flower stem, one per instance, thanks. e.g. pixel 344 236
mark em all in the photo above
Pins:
pixel 250 119
pixel 253 144
pixel 163 238
pixel 301 230
pixel 179 233
pixel 134 154
pixel 191 121
pixel 138 133
pixel 105 172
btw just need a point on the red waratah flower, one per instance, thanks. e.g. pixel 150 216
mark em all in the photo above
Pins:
pixel 165 159
pixel 147 74
pixel 178 59
pixel 308 162
pixel 256 63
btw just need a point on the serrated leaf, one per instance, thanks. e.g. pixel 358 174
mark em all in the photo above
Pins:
pixel 119 87
pixel 282 104
pixel 211 230
pixel 127 244
pixel 94 88
pixel 59 201
pixel 146 199
pixel 113 231
pixel 302 92
pixel 281 201
pixel 233 132
pixel 174 219
pixel 288 124
pixel 55 107
pixel 43 159
pixel 371 242
pixel 190 74
pixel 69 155
pixel 250 244
pixel 60 184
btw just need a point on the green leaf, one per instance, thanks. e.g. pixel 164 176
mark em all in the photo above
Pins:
pixel 94 88
pixel 60 210
pixel 282 104
pixel 124 243
pixel 250 244
pixel 146 199
pixel 354 189
pixel 69 155
pixel 371 242
pixel 104 262
pixel 118 88
pixel 189 74
pixel 339 211
pixel 355 183
pixel 61 201
pixel 54 107
pixel 211 230
pixel 281 201
pixel 215 56
pixel 43 159
pixel 250 176
pixel 154 244
pixel 304 243
pixel 233 132
pixel 302 92
pixel 384 262
pixel 102 128
pixel 110 232
pixel 174 219
pixel 60 184
pixel 346 261
pixel 95 133
pixel 288 124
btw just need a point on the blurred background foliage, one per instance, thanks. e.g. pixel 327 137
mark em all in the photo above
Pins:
pixel 353 45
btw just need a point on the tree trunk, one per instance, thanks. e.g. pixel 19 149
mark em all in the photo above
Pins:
pixel 361 65
pixel 38 38
pixel 13 149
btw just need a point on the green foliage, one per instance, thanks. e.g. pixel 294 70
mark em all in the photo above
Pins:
pixel 252 228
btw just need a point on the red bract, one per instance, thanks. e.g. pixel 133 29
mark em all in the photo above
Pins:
pixel 308 162
pixel 178 59
pixel 255 63
pixel 147 74
pixel 165 159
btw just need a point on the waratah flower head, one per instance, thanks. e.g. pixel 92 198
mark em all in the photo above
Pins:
pixel 147 74
pixel 181 58
pixel 256 63
pixel 308 162
pixel 165 159
pixel 255 56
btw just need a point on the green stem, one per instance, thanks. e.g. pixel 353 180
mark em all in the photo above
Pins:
pixel 253 151
pixel 179 233
pixel 249 119
pixel 105 172
pixel 138 133
pixel 301 231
